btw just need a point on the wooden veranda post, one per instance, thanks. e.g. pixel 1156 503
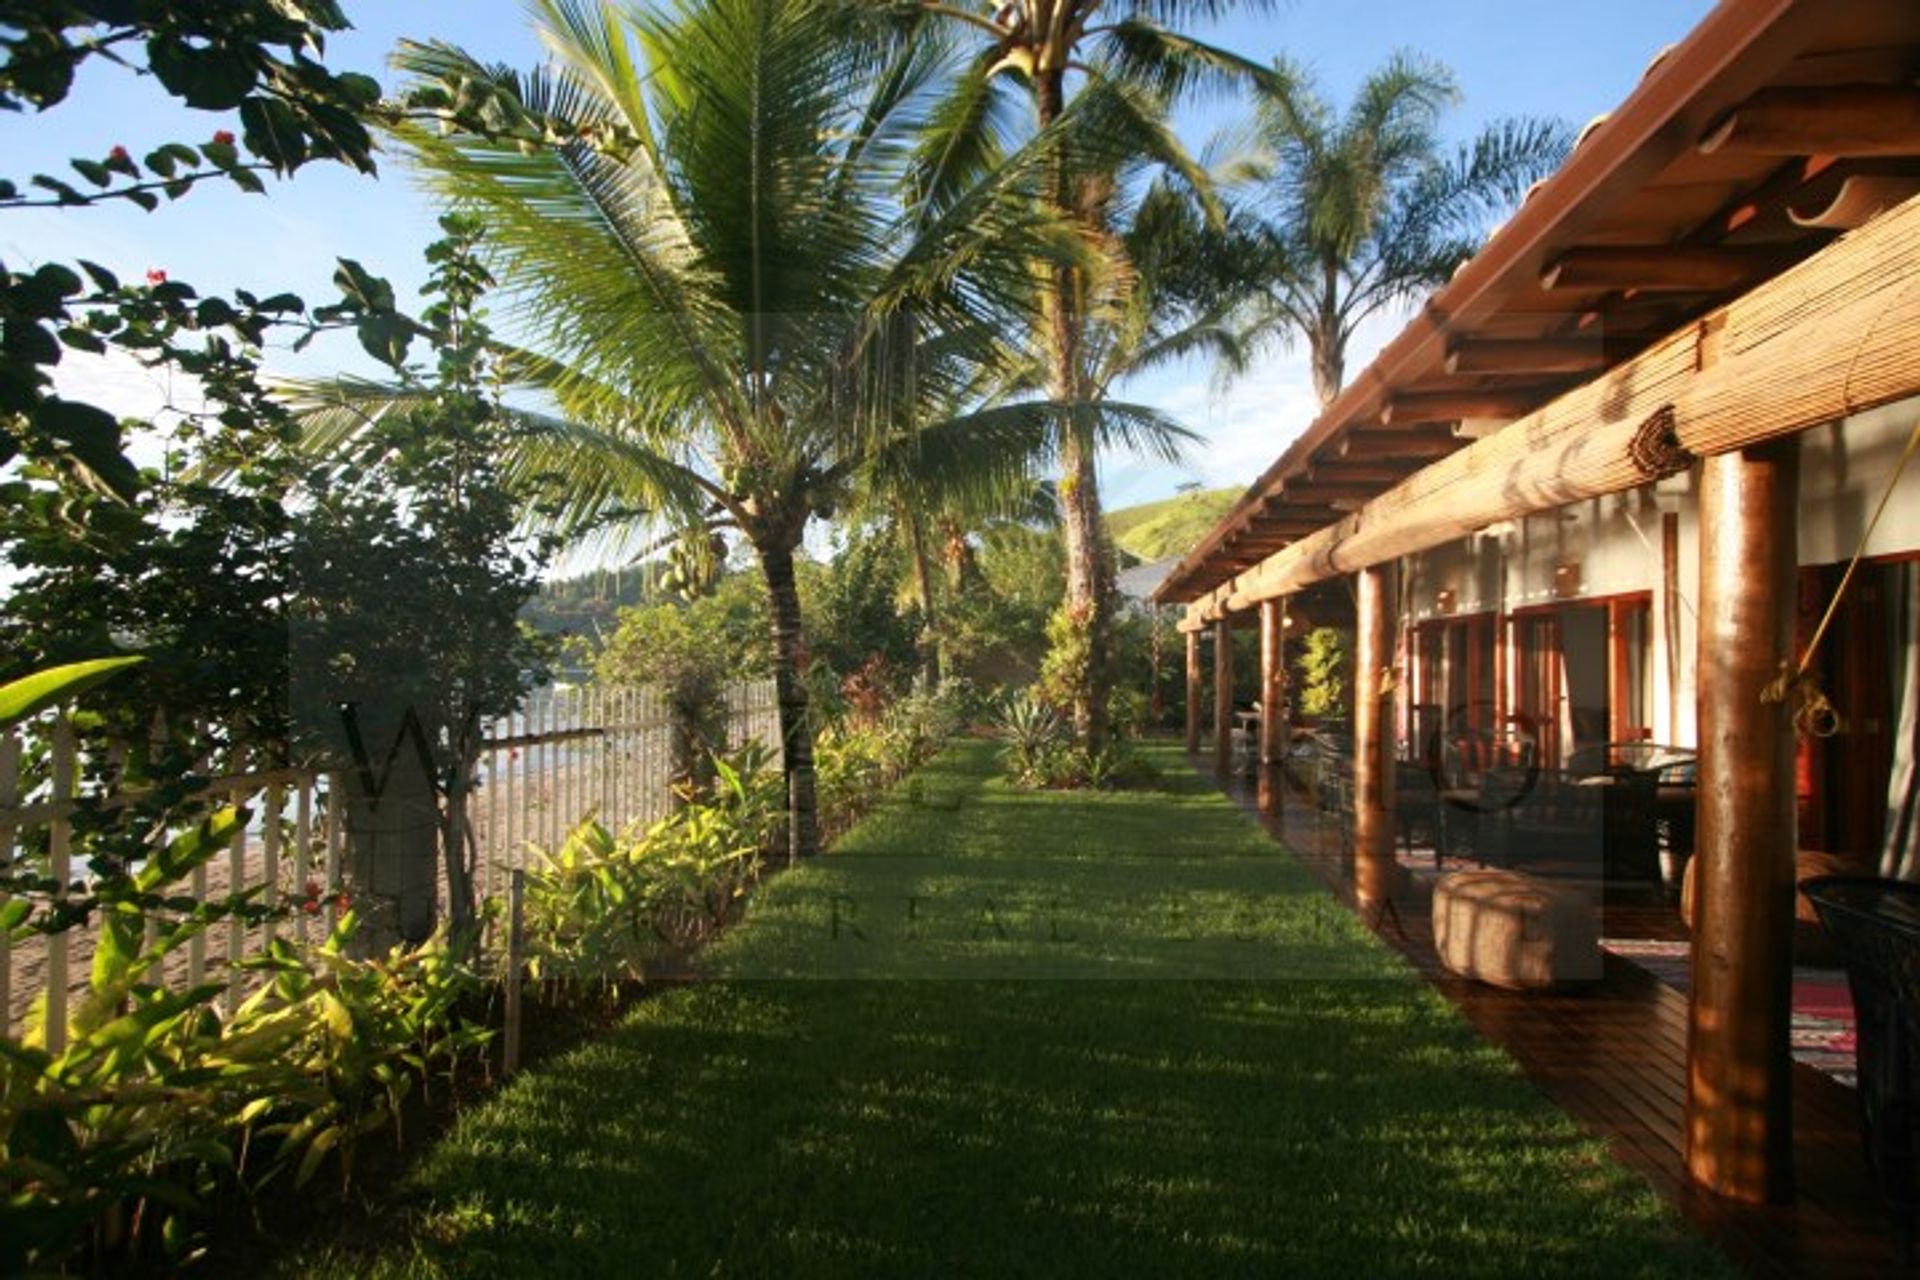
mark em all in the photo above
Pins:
pixel 1193 693
pixel 1273 681
pixel 1739 1136
pixel 1273 701
pixel 1223 697
pixel 1373 864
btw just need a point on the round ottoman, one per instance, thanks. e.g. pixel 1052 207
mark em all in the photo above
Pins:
pixel 1515 931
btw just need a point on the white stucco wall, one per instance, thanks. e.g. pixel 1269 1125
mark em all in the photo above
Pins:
pixel 1844 470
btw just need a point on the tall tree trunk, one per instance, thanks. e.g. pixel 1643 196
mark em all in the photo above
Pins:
pixel 963 566
pixel 1089 600
pixel 1329 369
pixel 457 846
pixel 394 830
pixel 789 672
pixel 1328 345
pixel 696 716
pixel 931 658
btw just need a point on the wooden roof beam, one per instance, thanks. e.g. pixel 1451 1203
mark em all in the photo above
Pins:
pixel 1423 442
pixel 1385 471
pixel 1834 120
pixel 1327 493
pixel 1451 406
pixel 1582 355
pixel 1663 268
pixel 1284 528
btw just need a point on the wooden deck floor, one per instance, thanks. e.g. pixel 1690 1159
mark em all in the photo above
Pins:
pixel 1614 1058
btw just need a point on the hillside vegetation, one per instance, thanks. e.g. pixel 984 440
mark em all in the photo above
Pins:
pixel 1170 527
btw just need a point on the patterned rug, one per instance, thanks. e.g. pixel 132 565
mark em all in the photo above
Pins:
pixel 1823 1024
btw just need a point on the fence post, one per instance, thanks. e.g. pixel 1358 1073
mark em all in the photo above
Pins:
pixel 302 850
pixel 60 869
pixel 237 761
pixel 336 844
pixel 270 852
pixel 483 849
pixel 9 797
pixel 516 960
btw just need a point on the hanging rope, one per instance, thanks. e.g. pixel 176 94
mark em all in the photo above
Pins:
pixel 1815 715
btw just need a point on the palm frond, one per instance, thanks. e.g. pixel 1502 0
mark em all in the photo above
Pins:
pixel 1173 65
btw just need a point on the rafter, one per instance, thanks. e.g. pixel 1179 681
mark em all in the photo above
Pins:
pixel 1833 120
pixel 1531 355
pixel 1663 268
pixel 1451 406
pixel 1422 442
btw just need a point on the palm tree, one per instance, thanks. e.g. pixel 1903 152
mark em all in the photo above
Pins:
pixel 1352 213
pixel 705 219
pixel 1126 55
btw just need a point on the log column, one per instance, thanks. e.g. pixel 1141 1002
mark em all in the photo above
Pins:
pixel 1193 692
pixel 1739 1135
pixel 1273 702
pixel 1223 696
pixel 1373 837
pixel 1273 681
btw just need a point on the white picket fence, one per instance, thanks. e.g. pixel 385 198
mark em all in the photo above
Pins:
pixel 564 755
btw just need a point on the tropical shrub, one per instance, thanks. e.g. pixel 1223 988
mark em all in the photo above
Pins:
pixel 602 907
pixel 1324 668
pixel 126 1128
pixel 359 1034
pixel 858 762
pixel 1042 751
pixel 118 1142
pixel 690 651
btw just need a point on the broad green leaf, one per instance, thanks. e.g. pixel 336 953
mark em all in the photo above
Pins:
pixel 32 694
pixel 190 849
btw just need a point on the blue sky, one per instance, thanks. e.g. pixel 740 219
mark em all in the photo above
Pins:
pixel 1511 57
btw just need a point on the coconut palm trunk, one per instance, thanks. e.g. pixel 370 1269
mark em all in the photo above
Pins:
pixel 789 678
pixel 1088 600
pixel 930 654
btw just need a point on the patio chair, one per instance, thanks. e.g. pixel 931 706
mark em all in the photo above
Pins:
pixel 1416 806
pixel 1599 825
pixel 1875 927
pixel 1671 773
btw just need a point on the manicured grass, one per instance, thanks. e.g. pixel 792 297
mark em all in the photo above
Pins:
pixel 1117 1035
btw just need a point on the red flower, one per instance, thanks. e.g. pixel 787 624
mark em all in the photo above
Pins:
pixel 311 889
pixel 343 900
pixel 156 276
pixel 223 138
pixel 119 156
pixel 311 907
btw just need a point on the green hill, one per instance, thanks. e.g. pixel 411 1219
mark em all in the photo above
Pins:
pixel 1170 527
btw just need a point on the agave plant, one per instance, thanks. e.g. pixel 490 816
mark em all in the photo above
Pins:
pixel 1034 733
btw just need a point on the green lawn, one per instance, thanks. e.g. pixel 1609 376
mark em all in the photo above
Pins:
pixel 1111 1035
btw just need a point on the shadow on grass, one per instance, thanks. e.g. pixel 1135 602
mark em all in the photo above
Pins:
pixel 1320 1113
